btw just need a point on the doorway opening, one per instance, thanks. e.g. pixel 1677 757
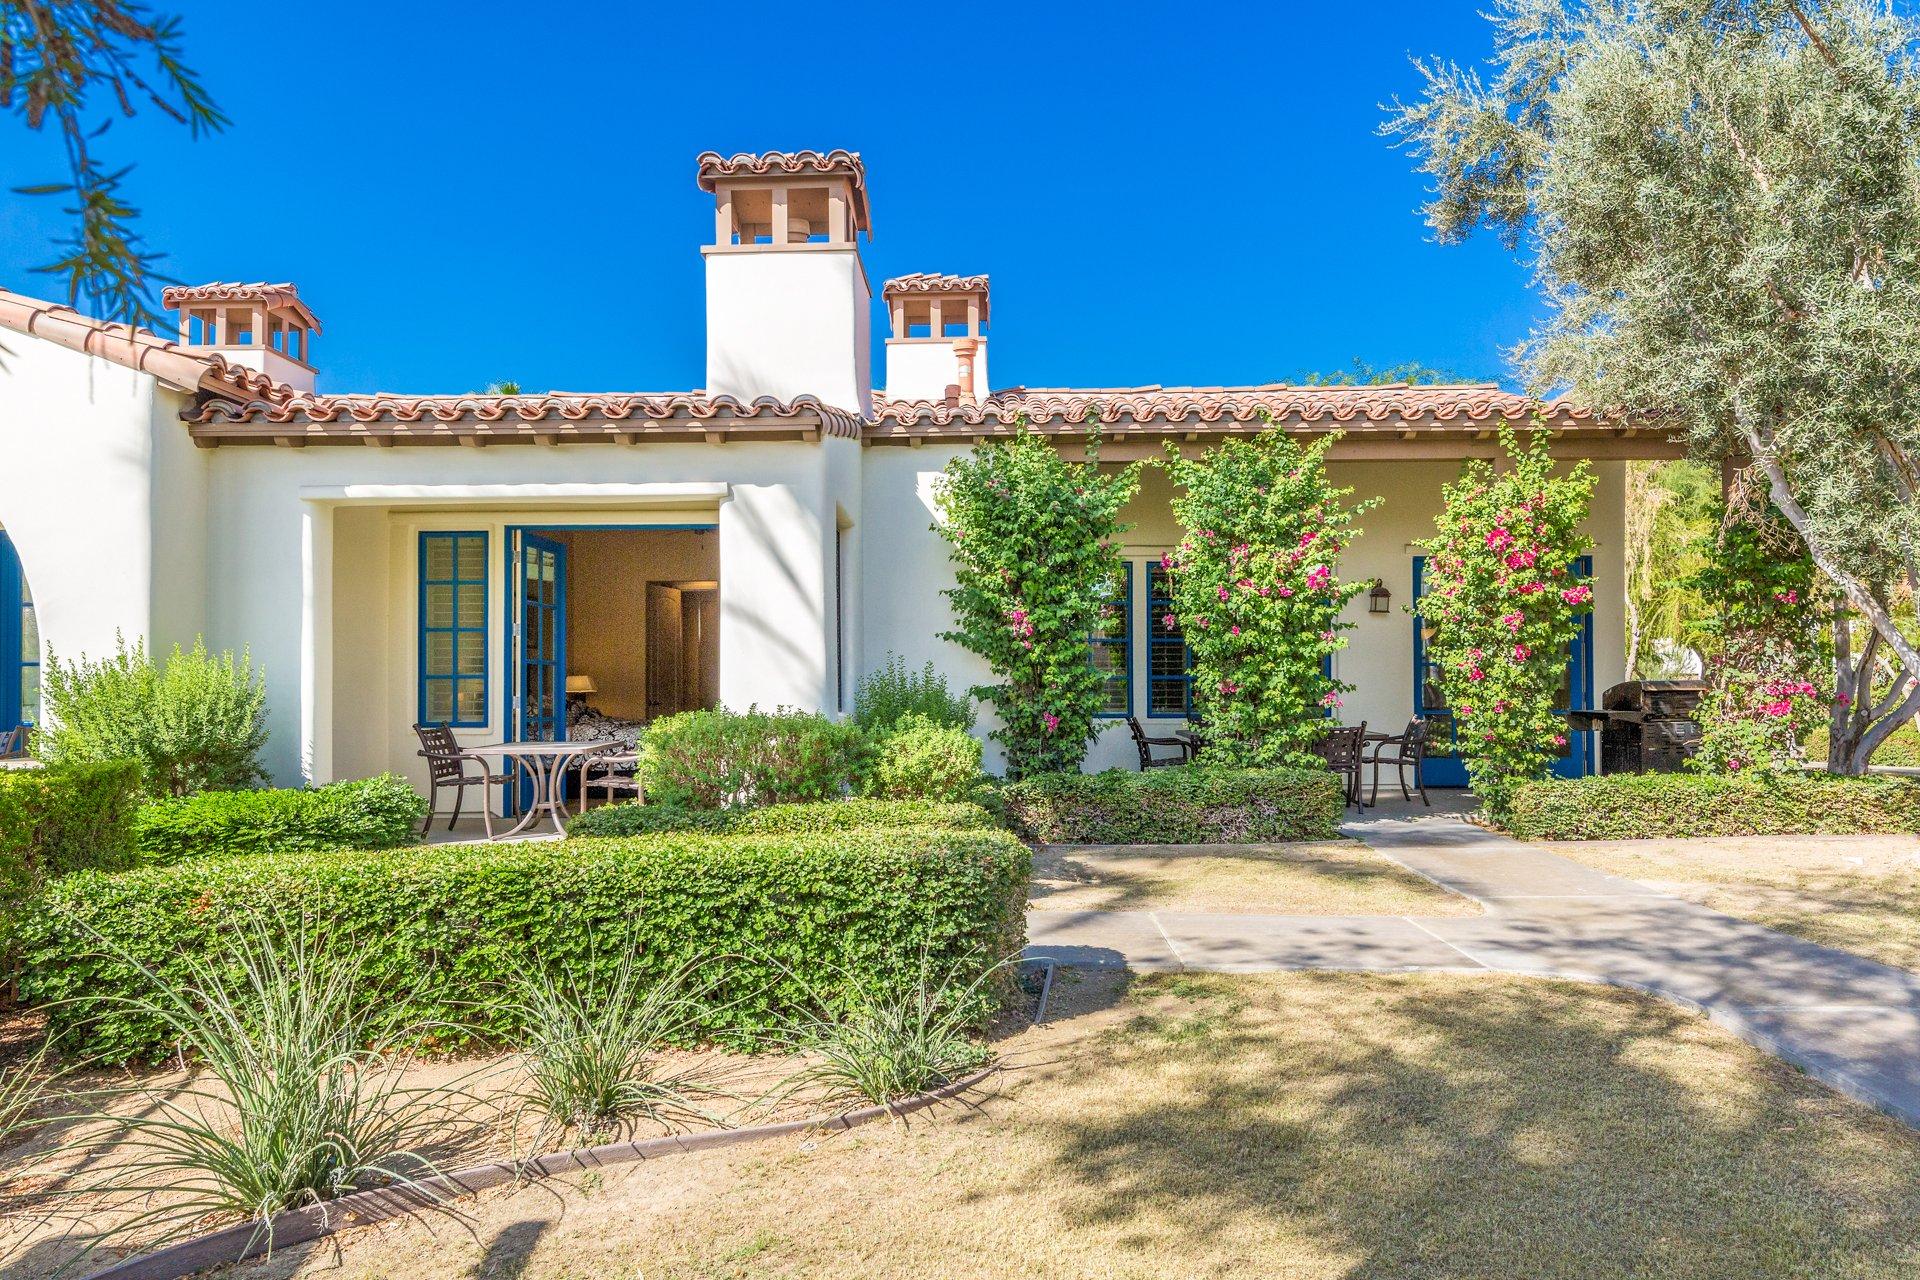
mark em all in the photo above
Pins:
pixel 611 628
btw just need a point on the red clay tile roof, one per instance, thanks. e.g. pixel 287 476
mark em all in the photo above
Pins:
pixel 575 415
pixel 1397 404
pixel 788 164
pixel 931 282
pixel 273 295
pixel 138 349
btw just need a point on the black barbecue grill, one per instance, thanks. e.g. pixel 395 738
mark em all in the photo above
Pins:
pixel 1646 726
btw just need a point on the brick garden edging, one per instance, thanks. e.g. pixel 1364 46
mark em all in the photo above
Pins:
pixel 363 1208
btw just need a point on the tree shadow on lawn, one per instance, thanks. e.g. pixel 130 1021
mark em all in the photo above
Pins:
pixel 1426 1127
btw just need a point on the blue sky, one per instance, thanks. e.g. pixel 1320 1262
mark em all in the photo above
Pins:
pixel 465 193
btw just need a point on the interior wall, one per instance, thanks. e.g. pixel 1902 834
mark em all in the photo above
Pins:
pixel 608 573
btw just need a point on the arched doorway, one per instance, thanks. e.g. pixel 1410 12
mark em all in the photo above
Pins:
pixel 19 644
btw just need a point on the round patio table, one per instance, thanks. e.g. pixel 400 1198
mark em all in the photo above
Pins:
pixel 546 764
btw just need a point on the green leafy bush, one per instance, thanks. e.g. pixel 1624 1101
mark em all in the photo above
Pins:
pixel 1673 805
pixel 193 724
pixel 1501 603
pixel 1186 805
pixel 1254 588
pixel 884 697
pixel 439 932
pixel 716 759
pixel 1036 553
pixel 921 759
pixel 61 819
pixel 779 819
pixel 370 813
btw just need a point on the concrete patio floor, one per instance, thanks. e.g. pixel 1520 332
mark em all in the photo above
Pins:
pixel 1845 1020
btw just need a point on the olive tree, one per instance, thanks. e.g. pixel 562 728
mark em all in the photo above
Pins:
pixel 1722 205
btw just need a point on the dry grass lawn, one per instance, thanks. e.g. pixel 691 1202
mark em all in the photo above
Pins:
pixel 1405 1127
pixel 1857 893
pixel 1319 878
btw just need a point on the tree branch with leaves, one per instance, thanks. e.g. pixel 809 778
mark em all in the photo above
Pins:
pixel 58 62
pixel 1723 210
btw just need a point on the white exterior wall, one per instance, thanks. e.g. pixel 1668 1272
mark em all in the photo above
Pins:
pixel 104 498
pixel 790 322
pixel 315 567
pixel 923 369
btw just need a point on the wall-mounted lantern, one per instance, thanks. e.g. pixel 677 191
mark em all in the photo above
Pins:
pixel 1379 600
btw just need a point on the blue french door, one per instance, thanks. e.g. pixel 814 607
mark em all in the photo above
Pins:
pixel 1576 690
pixel 537 582
pixel 19 644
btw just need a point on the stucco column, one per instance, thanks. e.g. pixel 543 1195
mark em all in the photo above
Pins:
pixel 316 643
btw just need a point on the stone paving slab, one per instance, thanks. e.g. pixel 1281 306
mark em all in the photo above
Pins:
pixel 1849 1021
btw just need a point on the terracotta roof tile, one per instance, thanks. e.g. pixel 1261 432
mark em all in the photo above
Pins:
pixel 283 294
pixel 714 167
pixel 1396 404
pixel 138 349
pixel 932 282
pixel 690 409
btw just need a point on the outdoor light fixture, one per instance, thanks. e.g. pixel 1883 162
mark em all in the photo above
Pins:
pixel 1379 598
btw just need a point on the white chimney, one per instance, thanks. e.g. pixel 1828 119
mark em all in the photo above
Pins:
pixel 938 347
pixel 788 304
pixel 258 326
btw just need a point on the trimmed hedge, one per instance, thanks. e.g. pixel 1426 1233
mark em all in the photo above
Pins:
pixel 370 813
pixel 1676 805
pixel 780 819
pixel 440 930
pixel 1189 804
pixel 62 819
pixel 719 759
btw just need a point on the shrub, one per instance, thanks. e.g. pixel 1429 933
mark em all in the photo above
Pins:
pixel 889 695
pixel 890 1043
pixel 920 759
pixel 194 724
pixel 1674 805
pixel 1036 555
pixel 1254 589
pixel 439 931
pixel 1503 603
pixel 1185 805
pixel 716 759
pixel 371 813
pixel 778 819
pixel 61 819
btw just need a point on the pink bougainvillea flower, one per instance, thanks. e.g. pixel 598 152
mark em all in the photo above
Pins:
pixel 1521 653
pixel 1787 597
pixel 1318 577
pixel 1577 595
pixel 1497 539
pixel 1284 590
pixel 1475 673
pixel 1228 686
pixel 1234 629
pixel 1559 739
pixel 1331 699
pixel 1051 720
pixel 1223 593
pixel 1169 622
pixel 1166 560
pixel 1513 621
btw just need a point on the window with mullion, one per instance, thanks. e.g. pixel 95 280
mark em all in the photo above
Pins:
pixel 1169 661
pixel 453 629
pixel 1110 647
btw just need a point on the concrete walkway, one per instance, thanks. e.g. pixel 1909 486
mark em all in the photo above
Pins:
pixel 1847 1021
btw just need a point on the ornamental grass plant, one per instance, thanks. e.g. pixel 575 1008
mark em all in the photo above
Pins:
pixel 293 1097
pixel 596 1053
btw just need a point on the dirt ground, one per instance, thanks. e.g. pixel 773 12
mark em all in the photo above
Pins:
pixel 1298 1125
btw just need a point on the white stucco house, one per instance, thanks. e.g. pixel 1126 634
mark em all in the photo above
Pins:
pixel 392 558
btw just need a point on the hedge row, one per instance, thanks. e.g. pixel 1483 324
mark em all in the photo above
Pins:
pixel 440 930
pixel 1183 805
pixel 780 819
pixel 1676 805
pixel 370 813
pixel 62 819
